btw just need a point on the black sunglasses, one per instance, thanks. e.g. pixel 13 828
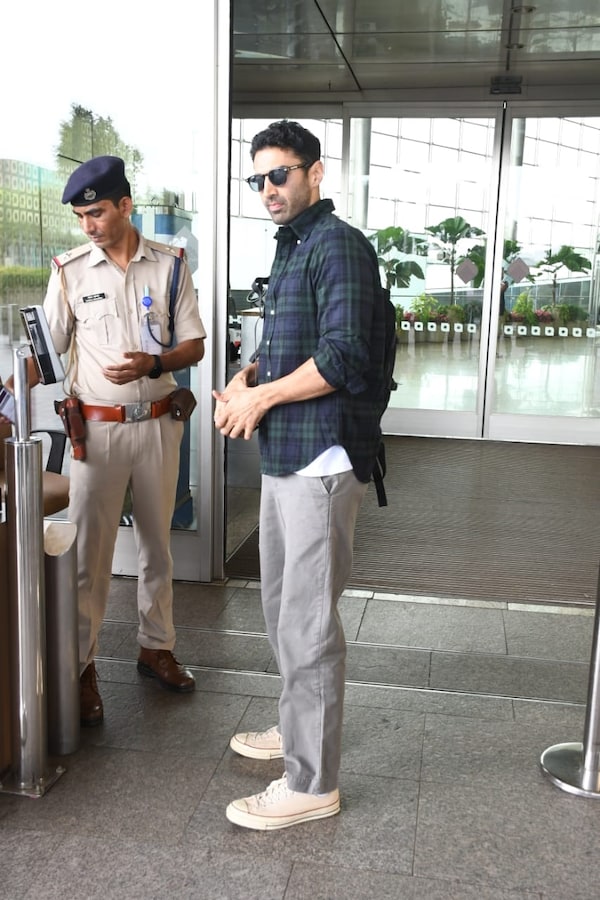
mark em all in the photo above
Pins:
pixel 277 176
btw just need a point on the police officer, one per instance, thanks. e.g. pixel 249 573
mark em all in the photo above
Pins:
pixel 107 305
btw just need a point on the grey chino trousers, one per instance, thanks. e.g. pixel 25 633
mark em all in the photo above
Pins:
pixel 306 535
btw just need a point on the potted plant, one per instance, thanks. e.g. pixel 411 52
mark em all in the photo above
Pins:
pixel 523 312
pixel 426 309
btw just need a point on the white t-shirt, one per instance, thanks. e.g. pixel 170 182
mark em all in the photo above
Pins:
pixel 332 461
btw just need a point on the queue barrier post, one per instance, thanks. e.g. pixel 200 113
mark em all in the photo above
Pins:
pixel 29 775
pixel 574 767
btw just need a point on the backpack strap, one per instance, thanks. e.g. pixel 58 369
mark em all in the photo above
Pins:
pixel 379 470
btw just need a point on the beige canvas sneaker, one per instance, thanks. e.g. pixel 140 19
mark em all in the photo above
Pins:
pixel 280 807
pixel 258 744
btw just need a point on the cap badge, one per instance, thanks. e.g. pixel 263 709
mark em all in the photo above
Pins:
pixel 89 194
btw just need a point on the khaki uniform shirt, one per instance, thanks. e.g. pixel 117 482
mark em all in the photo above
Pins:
pixel 95 313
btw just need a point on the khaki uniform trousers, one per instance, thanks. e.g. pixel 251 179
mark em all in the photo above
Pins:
pixel 306 536
pixel 145 456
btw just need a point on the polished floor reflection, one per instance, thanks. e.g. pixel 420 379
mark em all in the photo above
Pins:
pixel 533 374
pixel 449 708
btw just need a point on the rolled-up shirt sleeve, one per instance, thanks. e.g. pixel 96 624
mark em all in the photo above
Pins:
pixel 344 297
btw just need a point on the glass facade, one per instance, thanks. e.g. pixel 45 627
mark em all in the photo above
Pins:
pixel 474 318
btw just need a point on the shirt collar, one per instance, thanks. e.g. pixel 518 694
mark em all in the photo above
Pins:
pixel 98 255
pixel 303 224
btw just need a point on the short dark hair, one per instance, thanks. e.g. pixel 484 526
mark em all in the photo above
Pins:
pixel 116 197
pixel 288 136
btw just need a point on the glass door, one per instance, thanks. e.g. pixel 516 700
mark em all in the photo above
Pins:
pixel 545 384
pixel 423 189
pixel 486 229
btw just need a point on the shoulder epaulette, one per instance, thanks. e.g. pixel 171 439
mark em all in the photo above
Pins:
pixel 69 255
pixel 165 248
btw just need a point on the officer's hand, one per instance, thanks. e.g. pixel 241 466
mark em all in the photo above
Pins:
pixel 134 367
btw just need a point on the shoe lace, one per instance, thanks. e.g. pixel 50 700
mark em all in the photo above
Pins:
pixel 167 655
pixel 277 790
pixel 271 733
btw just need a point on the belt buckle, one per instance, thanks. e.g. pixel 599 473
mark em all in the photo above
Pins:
pixel 137 412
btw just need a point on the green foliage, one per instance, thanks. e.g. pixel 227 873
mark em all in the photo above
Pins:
pixel 456 313
pixel 425 308
pixel 388 243
pixel 511 251
pixel 471 311
pixel 86 135
pixel 399 314
pixel 477 256
pixel 567 257
pixel 17 279
pixel 446 235
pixel 570 312
pixel 524 307
pixel 449 232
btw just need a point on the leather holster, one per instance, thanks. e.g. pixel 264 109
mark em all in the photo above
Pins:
pixel 69 411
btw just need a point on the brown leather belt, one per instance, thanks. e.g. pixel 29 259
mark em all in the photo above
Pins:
pixel 127 412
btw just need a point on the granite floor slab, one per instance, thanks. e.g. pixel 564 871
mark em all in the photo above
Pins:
pixel 449 707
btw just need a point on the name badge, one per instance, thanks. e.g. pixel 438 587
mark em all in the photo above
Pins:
pixel 91 297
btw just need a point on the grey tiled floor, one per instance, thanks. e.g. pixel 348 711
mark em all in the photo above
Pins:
pixel 449 706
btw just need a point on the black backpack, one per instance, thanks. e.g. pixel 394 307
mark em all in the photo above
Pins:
pixel 389 361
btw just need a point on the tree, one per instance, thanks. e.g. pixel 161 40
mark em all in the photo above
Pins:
pixel 446 236
pixel 86 135
pixel 552 262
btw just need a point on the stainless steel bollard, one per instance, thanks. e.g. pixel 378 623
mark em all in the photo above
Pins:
pixel 62 646
pixel 29 775
pixel 25 572
pixel 575 767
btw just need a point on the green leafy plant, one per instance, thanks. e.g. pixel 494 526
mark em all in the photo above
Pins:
pixel 553 262
pixel 511 250
pixel 389 243
pixel 446 235
pixel 425 308
pixel 570 312
pixel 523 310
pixel 456 313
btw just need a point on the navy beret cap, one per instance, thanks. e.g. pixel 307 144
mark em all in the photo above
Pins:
pixel 96 179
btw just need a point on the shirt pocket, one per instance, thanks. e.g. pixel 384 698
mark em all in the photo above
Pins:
pixel 99 319
pixel 155 332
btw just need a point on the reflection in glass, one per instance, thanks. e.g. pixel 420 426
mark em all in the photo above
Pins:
pixel 548 334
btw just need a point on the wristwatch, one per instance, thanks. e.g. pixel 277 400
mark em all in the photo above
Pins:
pixel 157 369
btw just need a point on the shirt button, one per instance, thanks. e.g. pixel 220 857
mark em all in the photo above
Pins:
pixel 272 312
pixel 268 374
pixel 298 242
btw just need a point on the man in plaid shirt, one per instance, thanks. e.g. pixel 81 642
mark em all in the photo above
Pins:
pixel 315 394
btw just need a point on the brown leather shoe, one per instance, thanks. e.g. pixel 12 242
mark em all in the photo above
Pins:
pixel 162 664
pixel 91 711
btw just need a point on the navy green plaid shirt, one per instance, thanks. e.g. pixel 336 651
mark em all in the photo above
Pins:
pixel 325 301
